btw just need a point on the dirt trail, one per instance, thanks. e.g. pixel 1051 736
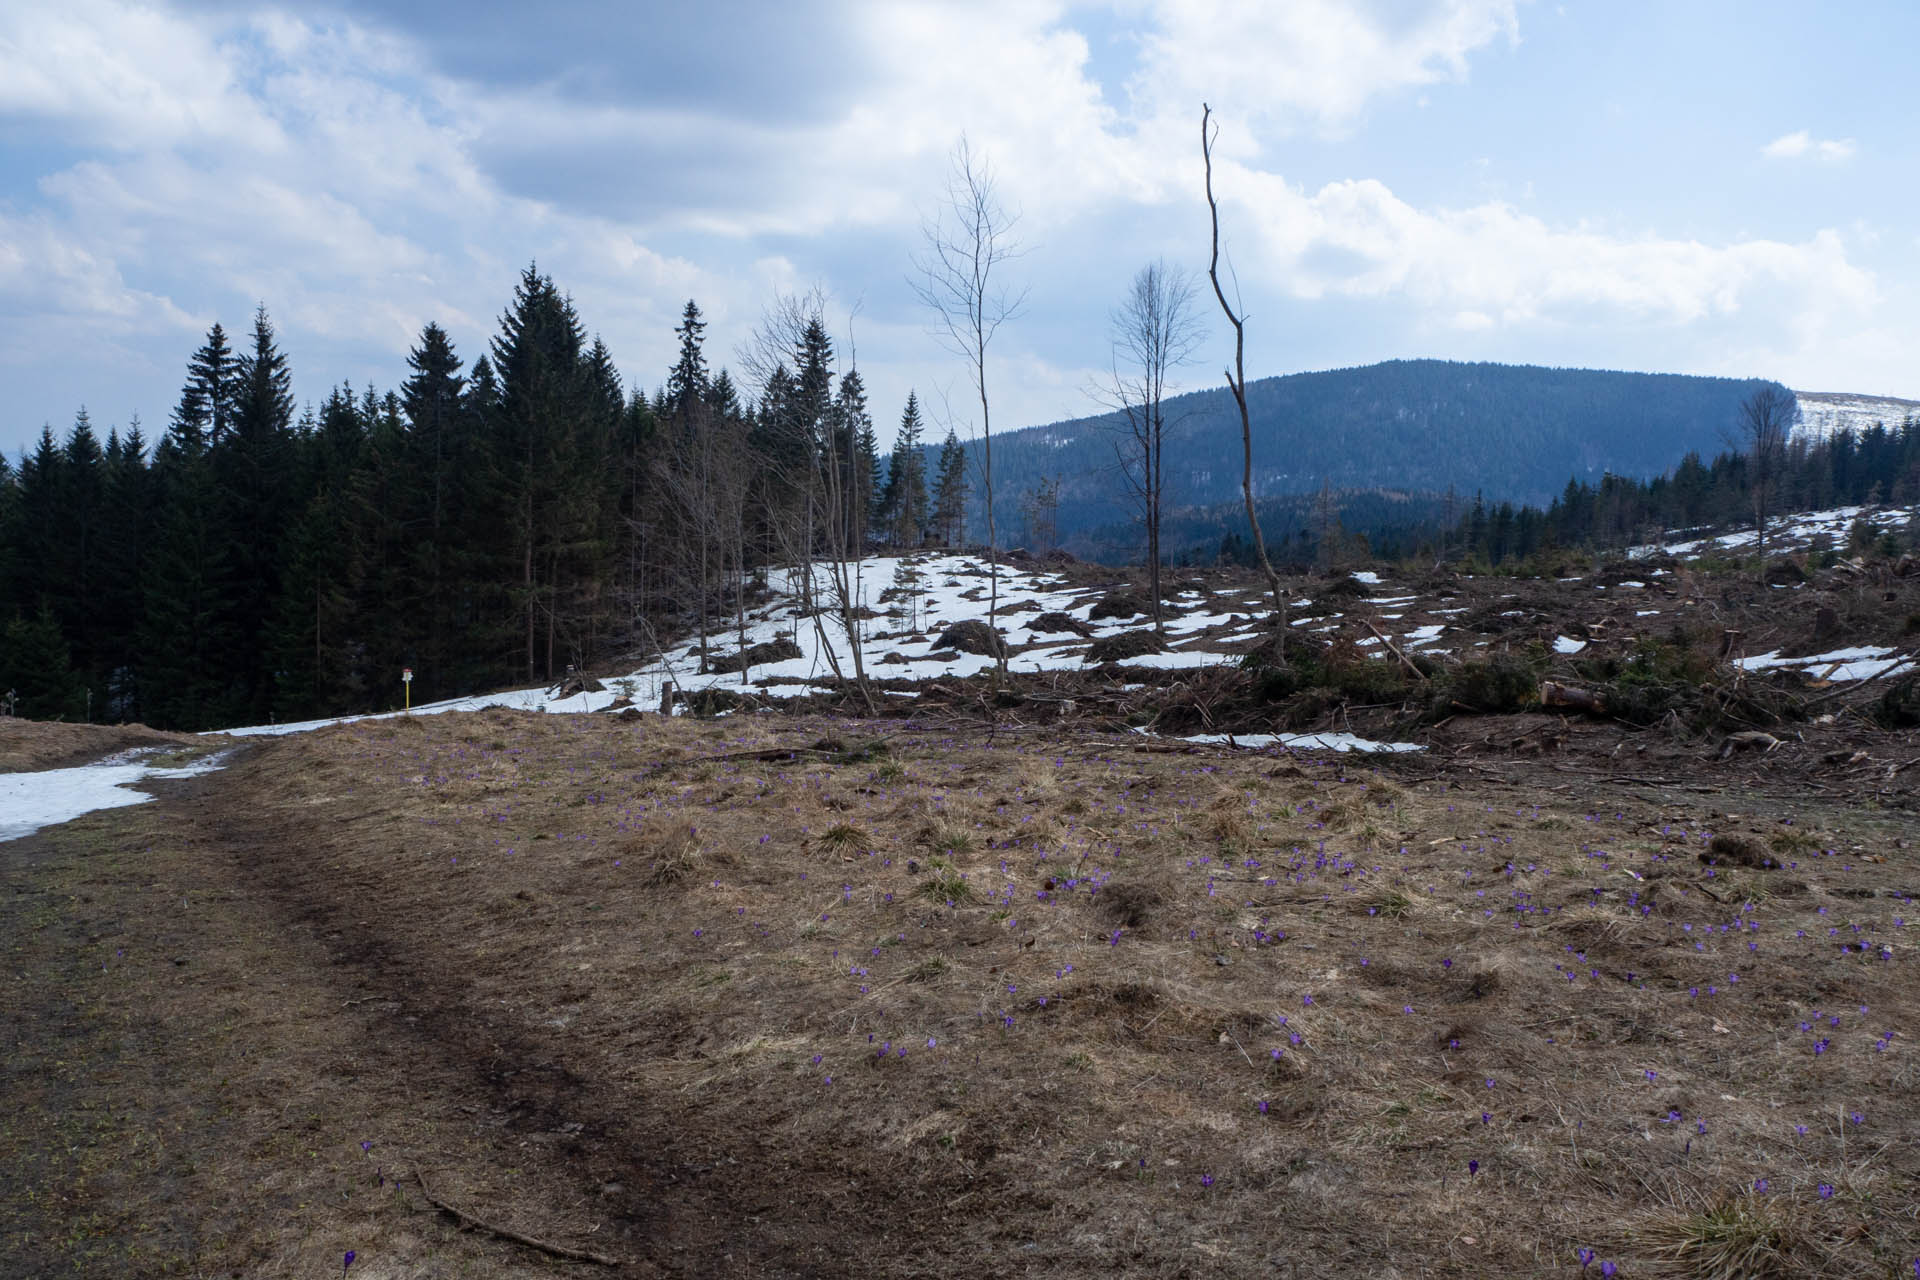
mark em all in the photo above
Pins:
pixel 669 1192
pixel 287 997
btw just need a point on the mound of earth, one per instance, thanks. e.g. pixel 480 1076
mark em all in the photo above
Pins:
pixel 1128 644
pixel 1119 604
pixel 756 655
pixel 1056 623
pixel 1338 592
pixel 972 636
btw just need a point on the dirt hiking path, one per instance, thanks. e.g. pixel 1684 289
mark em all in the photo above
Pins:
pixel 210 1009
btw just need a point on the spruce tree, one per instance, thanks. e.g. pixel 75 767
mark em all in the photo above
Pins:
pixel 35 669
pixel 687 384
pixel 36 559
pixel 537 435
pixel 252 468
pixel 432 400
pixel 206 402
pixel 853 457
pixel 950 491
pixel 125 533
pixel 906 495
pixel 9 527
pixel 73 569
pixel 321 621
pixel 182 640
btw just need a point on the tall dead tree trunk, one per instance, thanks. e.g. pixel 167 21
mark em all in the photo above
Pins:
pixel 1237 376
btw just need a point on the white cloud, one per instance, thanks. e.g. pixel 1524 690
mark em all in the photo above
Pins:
pixel 125 77
pixel 1493 264
pixel 1316 62
pixel 1801 143
pixel 45 269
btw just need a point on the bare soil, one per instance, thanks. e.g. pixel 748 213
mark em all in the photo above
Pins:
pixel 806 997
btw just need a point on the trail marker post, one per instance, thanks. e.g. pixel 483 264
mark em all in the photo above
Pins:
pixel 406 683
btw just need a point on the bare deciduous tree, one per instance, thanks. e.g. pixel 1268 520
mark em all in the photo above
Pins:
pixel 961 280
pixel 702 469
pixel 1237 376
pixel 1766 418
pixel 1041 510
pixel 1154 331
pixel 815 470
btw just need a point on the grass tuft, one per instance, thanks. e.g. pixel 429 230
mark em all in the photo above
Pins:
pixel 947 884
pixel 1743 1237
pixel 843 838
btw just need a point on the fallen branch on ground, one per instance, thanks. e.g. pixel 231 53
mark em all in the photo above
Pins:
pixel 1394 649
pixel 507 1233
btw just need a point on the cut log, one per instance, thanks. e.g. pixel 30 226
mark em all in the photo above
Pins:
pixel 1553 694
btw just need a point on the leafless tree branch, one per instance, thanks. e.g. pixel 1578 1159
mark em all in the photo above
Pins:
pixel 1237 376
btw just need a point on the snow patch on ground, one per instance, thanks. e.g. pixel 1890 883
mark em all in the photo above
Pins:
pixel 1862 662
pixel 1303 741
pixel 48 797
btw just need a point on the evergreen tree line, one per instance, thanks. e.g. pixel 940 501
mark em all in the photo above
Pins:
pixel 484 524
pixel 1880 464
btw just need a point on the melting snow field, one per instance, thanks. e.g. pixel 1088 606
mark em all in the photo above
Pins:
pixel 30 801
pixel 902 642
pixel 1793 532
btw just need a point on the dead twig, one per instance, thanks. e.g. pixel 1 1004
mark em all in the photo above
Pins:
pixel 777 754
pixel 507 1233
pixel 1393 648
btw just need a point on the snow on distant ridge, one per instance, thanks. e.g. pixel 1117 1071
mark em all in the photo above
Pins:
pixel 1827 413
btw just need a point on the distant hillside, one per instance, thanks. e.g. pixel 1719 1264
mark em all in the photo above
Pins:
pixel 1823 413
pixel 1512 432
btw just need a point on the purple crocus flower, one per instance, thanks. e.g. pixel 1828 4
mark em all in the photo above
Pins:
pixel 1586 1258
pixel 347 1262
pixel 1473 1167
pixel 1608 1270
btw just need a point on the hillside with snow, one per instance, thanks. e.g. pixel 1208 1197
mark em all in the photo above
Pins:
pixel 1826 413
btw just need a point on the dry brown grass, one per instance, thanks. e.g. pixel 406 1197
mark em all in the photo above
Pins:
pixel 39 744
pixel 1160 1014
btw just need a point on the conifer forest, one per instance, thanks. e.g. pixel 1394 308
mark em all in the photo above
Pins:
pixel 502 516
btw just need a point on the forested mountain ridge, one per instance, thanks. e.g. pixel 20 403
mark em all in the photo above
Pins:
pixel 1511 432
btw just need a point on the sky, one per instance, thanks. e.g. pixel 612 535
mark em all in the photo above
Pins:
pixel 1709 187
